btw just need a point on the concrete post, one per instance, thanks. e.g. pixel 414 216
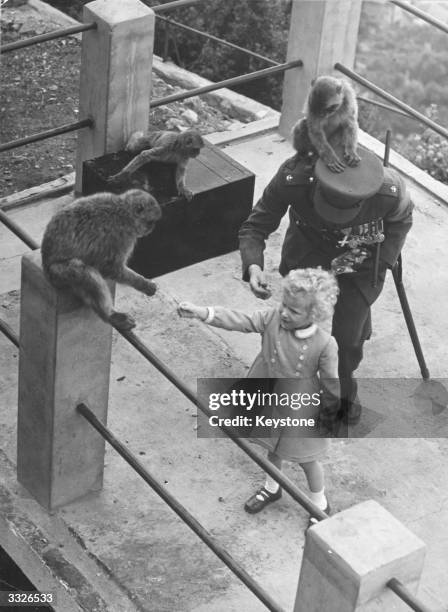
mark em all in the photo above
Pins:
pixel 349 558
pixel 115 85
pixel 322 32
pixel 65 352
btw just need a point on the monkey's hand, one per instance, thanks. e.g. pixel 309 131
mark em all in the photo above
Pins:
pixel 120 177
pixel 351 157
pixel 188 310
pixel 332 161
pixel 148 287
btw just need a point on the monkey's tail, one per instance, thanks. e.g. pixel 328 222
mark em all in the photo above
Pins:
pixel 85 282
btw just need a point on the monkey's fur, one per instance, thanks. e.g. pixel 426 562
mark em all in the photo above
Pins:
pixel 164 146
pixel 91 240
pixel 331 112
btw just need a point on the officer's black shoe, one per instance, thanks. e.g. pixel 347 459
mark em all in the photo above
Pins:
pixel 350 412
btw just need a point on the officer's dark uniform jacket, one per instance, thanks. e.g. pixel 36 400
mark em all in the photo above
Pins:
pixel 310 241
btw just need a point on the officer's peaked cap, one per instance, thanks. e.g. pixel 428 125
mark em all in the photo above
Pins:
pixel 339 196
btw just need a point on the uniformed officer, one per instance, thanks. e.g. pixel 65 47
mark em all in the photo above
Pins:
pixel 354 222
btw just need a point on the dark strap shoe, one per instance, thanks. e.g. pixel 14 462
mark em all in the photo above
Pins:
pixel 260 499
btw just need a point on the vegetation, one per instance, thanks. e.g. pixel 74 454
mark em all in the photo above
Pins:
pixel 256 25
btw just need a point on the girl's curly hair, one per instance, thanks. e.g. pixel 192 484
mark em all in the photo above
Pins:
pixel 321 286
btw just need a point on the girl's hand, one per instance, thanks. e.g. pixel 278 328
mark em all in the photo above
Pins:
pixel 188 310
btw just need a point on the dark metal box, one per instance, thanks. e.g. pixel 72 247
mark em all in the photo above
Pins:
pixel 188 232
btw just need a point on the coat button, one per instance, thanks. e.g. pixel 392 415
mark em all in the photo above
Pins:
pixel 289 177
pixel 311 179
pixel 272 360
pixel 305 346
pixel 301 357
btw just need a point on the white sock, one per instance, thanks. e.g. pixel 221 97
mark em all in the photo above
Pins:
pixel 318 498
pixel 271 485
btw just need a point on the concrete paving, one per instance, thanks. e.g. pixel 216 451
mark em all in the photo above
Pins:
pixel 130 551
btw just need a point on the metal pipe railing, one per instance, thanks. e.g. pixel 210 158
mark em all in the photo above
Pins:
pixel 405 595
pixel 169 6
pixel 180 510
pixel 392 109
pixel 34 40
pixel 9 333
pixel 62 129
pixel 221 41
pixel 252 76
pixel 387 96
pixel 18 231
pixel 421 14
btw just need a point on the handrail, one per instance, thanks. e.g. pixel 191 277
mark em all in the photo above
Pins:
pixel 9 333
pixel 226 43
pixel 387 96
pixel 405 595
pixel 406 6
pixel 18 231
pixel 34 40
pixel 180 510
pixel 392 109
pixel 245 78
pixel 62 129
pixel 169 6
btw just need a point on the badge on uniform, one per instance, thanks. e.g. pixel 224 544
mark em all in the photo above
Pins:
pixel 368 233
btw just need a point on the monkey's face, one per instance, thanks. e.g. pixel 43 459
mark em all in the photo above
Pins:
pixel 332 106
pixel 326 97
pixel 145 210
pixel 193 142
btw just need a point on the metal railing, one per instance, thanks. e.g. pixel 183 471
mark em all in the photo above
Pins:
pixel 216 39
pixel 405 595
pixel 34 40
pixel 406 6
pixel 387 107
pixel 62 129
pixel 180 510
pixel 238 80
pixel 390 98
pixel 169 6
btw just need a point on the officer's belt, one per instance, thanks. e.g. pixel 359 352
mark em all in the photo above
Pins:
pixel 327 234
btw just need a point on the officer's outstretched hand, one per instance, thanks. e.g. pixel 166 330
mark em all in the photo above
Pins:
pixel 258 282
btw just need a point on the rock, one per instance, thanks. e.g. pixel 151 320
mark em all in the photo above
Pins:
pixel 175 124
pixel 190 115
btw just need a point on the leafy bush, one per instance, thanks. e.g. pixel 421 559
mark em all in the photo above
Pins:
pixel 428 150
pixel 258 25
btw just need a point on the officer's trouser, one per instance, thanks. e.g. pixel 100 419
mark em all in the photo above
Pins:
pixel 352 325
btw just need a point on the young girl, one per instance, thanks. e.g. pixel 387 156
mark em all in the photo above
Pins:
pixel 293 347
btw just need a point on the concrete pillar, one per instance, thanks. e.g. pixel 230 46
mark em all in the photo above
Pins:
pixel 322 32
pixel 65 352
pixel 349 558
pixel 115 85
